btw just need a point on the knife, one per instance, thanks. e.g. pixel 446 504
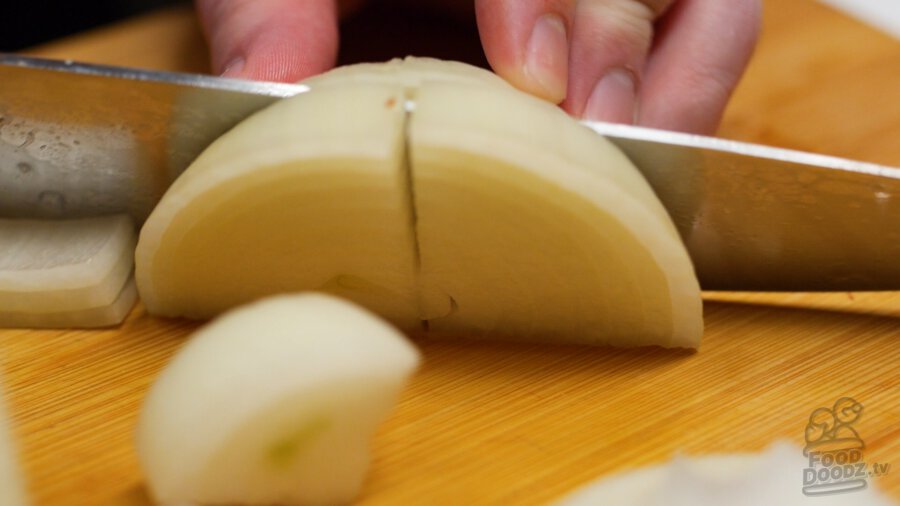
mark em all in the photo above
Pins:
pixel 81 140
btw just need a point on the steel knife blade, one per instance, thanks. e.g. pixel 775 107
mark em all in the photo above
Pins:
pixel 80 140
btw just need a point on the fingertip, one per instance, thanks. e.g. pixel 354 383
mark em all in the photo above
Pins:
pixel 701 52
pixel 609 47
pixel 546 67
pixel 234 68
pixel 527 43
pixel 613 97
pixel 281 53
pixel 271 40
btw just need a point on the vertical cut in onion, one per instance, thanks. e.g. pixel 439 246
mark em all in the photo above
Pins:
pixel 426 190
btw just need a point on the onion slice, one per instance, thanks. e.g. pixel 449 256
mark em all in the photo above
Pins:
pixel 66 273
pixel 536 228
pixel 91 317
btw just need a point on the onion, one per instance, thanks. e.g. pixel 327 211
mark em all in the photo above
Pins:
pixel 304 196
pixel 66 273
pixel 410 72
pixel 272 403
pixel 426 191
pixel 772 478
pixel 536 228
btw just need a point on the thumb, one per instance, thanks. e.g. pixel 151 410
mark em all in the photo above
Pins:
pixel 270 40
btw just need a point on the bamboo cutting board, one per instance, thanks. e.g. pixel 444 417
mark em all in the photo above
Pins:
pixel 488 423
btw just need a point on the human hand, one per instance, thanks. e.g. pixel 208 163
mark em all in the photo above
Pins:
pixel 668 64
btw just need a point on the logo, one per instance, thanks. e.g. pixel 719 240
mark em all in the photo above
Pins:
pixel 835 451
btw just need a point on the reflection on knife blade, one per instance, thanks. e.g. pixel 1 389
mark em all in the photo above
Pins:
pixel 80 140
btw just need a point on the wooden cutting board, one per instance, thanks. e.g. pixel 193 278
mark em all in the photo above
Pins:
pixel 487 423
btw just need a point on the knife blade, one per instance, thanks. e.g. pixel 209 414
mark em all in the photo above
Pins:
pixel 80 139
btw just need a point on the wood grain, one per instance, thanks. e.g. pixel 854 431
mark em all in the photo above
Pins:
pixel 820 82
pixel 492 423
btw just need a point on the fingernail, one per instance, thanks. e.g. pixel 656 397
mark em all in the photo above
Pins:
pixel 234 67
pixel 547 57
pixel 613 98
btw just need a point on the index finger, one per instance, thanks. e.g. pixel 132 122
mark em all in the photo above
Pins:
pixel 699 54
pixel 272 40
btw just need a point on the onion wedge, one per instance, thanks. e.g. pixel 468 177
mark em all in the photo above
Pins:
pixel 426 191
pixel 533 227
pixel 305 195
pixel 273 403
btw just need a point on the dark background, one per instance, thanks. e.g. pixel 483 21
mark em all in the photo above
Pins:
pixel 27 23
pixel 382 29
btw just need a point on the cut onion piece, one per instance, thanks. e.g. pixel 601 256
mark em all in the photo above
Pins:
pixel 66 273
pixel 273 403
pixel 91 317
pixel 531 226
pixel 12 486
pixel 773 478
pixel 421 191
pixel 305 195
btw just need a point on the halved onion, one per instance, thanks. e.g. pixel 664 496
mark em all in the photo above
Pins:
pixel 472 206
